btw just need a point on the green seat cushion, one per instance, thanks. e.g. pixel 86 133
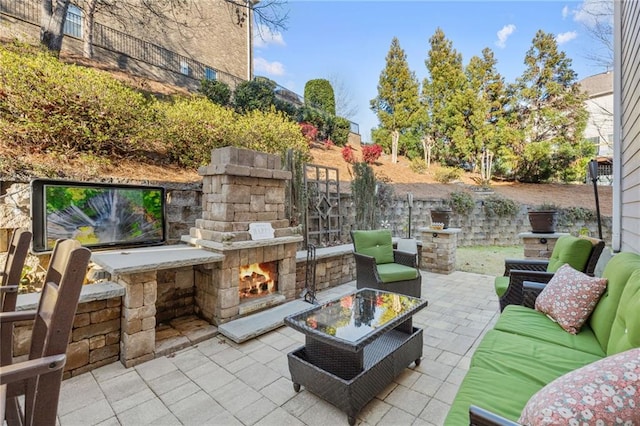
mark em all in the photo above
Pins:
pixel 617 272
pixel 528 322
pixel 392 272
pixel 625 332
pixel 572 250
pixel 375 243
pixel 501 284
pixel 503 394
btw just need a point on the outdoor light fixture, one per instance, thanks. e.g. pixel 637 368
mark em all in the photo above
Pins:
pixel 593 173
pixel 410 203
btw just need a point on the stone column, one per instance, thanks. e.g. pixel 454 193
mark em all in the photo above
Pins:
pixel 138 328
pixel 539 246
pixel 439 249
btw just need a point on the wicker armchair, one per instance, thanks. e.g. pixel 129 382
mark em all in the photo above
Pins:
pixel 379 266
pixel 518 271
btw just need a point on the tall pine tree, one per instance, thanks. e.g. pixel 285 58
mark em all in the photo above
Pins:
pixel 551 113
pixel 397 102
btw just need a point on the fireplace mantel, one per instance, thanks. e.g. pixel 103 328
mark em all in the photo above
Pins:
pixel 240 245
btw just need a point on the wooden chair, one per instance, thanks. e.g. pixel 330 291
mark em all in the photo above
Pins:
pixel 380 267
pixel 39 378
pixel 12 272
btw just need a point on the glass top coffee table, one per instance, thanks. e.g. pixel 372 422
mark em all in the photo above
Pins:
pixel 355 346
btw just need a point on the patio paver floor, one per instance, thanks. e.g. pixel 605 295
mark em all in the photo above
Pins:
pixel 219 382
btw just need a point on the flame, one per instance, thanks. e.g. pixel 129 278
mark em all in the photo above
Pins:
pixel 258 279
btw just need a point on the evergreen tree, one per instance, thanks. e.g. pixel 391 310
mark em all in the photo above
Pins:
pixel 441 115
pixel 551 113
pixel 319 94
pixel 397 102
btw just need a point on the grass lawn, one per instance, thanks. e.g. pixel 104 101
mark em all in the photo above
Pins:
pixel 487 260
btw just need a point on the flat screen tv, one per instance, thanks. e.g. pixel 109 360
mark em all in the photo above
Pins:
pixel 99 215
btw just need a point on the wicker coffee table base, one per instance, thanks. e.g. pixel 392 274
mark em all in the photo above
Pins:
pixel 384 359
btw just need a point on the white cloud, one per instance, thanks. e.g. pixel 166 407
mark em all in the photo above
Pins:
pixel 270 68
pixel 264 37
pixel 565 37
pixel 565 12
pixel 504 34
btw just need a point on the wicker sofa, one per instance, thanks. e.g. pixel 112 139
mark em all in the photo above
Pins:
pixel 526 350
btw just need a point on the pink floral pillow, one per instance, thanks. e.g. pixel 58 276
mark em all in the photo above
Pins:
pixel 570 297
pixel 606 392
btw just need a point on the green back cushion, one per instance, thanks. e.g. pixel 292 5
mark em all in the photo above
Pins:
pixel 617 273
pixel 376 243
pixel 572 250
pixel 625 332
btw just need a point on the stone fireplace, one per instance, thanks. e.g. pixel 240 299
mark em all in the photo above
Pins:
pixel 244 218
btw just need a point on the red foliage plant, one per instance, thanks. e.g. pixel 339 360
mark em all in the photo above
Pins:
pixel 371 153
pixel 347 154
pixel 309 131
pixel 328 144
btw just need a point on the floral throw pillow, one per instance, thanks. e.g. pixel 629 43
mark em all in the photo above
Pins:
pixel 606 392
pixel 570 297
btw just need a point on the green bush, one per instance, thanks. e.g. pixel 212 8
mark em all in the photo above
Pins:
pixel 50 106
pixel 461 202
pixel 418 165
pixel 189 128
pixel 447 174
pixel 270 132
pixel 495 205
pixel 218 92
pixel 319 94
pixel 254 94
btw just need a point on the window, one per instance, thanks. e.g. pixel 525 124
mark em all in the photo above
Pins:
pixel 184 67
pixel 209 74
pixel 594 140
pixel 73 21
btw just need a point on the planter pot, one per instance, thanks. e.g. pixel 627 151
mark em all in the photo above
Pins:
pixel 543 222
pixel 441 216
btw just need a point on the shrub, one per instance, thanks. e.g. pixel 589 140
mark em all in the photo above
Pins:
pixel 309 131
pixel 371 153
pixel 461 202
pixel 191 127
pixel 418 165
pixel 216 91
pixel 348 155
pixel 328 144
pixel 254 94
pixel 446 174
pixel 498 206
pixel 50 106
pixel 340 131
pixel 267 131
pixel 319 94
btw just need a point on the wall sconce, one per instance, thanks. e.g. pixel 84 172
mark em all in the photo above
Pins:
pixel 240 16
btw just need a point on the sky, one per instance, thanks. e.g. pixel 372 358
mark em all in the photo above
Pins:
pixel 347 41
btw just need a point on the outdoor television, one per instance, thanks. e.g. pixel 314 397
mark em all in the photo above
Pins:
pixel 99 215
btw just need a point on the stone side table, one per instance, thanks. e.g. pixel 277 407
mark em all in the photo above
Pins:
pixel 539 246
pixel 439 249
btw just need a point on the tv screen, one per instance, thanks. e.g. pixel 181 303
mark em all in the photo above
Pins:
pixel 98 215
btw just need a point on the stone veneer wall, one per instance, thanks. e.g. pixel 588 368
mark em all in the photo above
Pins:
pixel 331 270
pixel 175 293
pixel 95 338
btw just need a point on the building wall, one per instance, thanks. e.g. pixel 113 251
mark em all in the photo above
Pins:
pixel 627 167
pixel 208 31
pixel 600 123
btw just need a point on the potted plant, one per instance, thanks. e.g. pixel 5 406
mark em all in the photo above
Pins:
pixel 543 219
pixel 441 215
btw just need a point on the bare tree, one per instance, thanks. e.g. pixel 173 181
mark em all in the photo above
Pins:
pixel 345 106
pixel 597 18
pixel 52 23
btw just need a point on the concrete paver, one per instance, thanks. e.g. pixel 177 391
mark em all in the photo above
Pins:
pixel 220 382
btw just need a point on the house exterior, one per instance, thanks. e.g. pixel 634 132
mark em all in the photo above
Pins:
pixel 182 44
pixel 599 104
pixel 626 196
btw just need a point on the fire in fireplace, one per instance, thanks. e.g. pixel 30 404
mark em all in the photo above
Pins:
pixel 259 279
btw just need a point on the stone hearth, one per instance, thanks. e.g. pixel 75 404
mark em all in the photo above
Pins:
pixel 240 188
